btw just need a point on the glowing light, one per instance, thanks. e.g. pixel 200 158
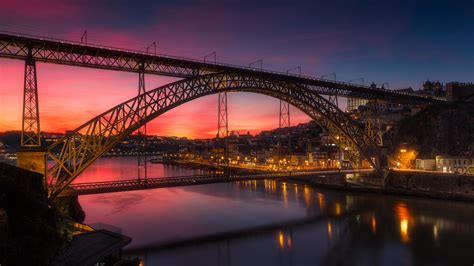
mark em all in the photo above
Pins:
pixel 374 225
pixel 306 196
pixel 403 214
pixel 320 200
pixel 329 229
pixel 435 231
pixel 338 209
pixel 404 230
pixel 281 240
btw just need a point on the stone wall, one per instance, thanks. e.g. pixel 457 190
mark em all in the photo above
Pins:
pixel 432 183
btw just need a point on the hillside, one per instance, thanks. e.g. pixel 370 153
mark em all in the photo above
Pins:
pixel 438 129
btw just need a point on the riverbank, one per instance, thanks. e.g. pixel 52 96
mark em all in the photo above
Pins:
pixel 427 185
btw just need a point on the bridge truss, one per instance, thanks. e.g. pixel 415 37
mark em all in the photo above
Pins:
pixel 81 147
pixel 63 52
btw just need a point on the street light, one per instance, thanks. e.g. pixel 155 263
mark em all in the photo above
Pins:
pixel 260 62
pixel 209 55
pixel 295 68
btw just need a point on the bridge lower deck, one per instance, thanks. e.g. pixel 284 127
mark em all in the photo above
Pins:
pixel 162 182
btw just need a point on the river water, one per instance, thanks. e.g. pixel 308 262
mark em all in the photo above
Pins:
pixel 276 223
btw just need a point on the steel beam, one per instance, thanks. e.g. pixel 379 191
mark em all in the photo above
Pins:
pixel 284 123
pixel 141 132
pixel 16 46
pixel 30 133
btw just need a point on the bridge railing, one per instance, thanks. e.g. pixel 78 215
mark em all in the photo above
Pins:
pixel 217 176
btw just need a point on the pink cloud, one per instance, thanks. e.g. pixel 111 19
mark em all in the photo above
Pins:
pixel 39 9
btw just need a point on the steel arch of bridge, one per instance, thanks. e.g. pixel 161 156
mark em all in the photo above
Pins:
pixel 81 147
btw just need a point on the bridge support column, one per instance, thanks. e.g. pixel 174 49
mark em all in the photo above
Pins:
pixel 33 160
pixel 141 132
pixel 222 129
pixel 30 134
pixel 284 122
pixel 31 156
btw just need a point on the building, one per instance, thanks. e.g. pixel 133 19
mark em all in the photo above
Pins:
pixel 457 91
pixel 455 164
pixel 434 88
pixel 425 164
pixel 354 103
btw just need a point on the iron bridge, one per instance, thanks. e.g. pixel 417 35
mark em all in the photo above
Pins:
pixel 71 155
pixel 162 182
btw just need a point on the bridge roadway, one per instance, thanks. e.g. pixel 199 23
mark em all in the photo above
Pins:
pixel 56 51
pixel 162 182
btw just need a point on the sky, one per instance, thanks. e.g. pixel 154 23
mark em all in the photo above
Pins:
pixel 403 43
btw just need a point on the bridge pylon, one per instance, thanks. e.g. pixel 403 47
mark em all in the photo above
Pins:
pixel 30 133
pixel 142 171
pixel 30 155
pixel 222 127
pixel 284 123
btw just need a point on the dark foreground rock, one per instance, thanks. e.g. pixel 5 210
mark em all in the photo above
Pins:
pixel 29 230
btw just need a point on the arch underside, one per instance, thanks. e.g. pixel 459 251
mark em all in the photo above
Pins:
pixel 81 147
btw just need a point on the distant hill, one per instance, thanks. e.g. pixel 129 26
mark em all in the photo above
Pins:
pixel 439 129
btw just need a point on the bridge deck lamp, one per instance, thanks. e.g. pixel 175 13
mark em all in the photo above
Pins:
pixel 260 62
pixel 213 54
pixel 153 44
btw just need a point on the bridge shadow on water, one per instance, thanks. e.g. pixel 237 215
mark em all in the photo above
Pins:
pixel 339 228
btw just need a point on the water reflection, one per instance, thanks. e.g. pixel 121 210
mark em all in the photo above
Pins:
pixel 280 223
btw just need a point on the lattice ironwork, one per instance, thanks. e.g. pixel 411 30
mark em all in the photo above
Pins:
pixel 372 126
pixel 222 148
pixel 30 134
pixel 81 147
pixel 86 55
pixel 284 124
pixel 222 122
pixel 142 170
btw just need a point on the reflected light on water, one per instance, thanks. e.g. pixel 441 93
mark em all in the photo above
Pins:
pixel 320 200
pixel 338 208
pixel 374 224
pixel 306 196
pixel 404 230
pixel 329 229
pixel 285 195
pixel 403 214
pixel 281 240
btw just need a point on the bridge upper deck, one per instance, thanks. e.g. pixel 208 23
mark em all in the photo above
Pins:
pixel 64 52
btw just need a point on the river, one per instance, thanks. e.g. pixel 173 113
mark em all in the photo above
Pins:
pixel 276 223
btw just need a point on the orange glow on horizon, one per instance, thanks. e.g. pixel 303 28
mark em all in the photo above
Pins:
pixel 70 96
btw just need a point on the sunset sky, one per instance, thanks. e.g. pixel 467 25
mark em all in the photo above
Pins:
pixel 383 41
